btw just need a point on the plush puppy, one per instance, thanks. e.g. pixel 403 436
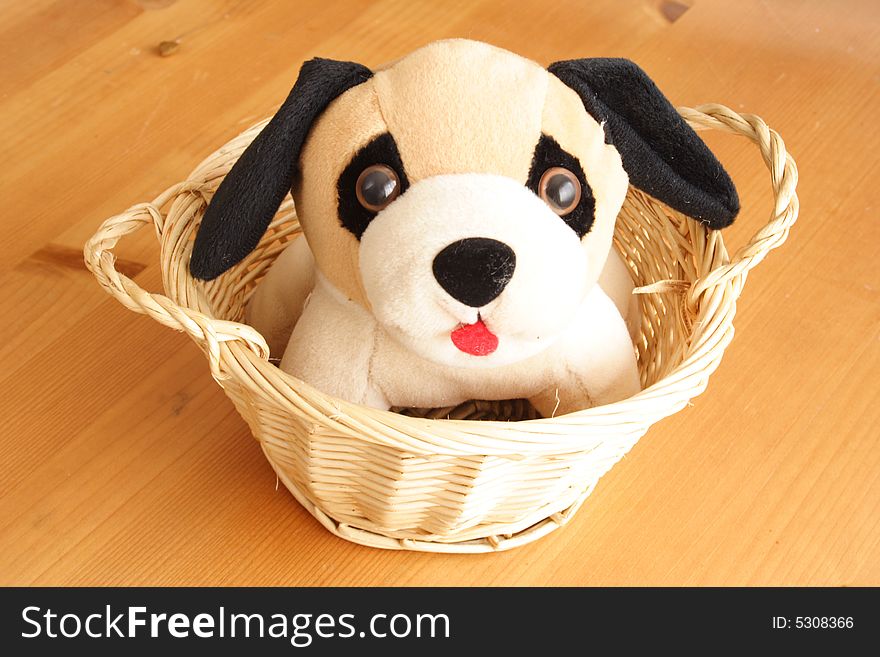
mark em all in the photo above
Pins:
pixel 459 206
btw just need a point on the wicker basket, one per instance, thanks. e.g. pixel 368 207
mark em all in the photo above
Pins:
pixel 454 485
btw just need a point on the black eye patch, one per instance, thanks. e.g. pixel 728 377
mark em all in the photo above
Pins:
pixel 382 150
pixel 548 154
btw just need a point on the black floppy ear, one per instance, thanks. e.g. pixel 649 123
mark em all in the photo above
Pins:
pixel 661 153
pixel 252 191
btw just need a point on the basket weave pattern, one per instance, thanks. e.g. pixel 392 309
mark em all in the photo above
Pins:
pixel 421 481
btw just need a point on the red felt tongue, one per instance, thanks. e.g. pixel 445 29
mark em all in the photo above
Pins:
pixel 475 339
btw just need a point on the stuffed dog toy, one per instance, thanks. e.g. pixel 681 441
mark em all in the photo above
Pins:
pixel 458 207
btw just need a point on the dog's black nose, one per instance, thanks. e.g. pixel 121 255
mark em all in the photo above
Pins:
pixel 475 270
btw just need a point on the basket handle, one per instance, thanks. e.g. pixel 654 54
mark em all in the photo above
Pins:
pixel 101 261
pixel 783 177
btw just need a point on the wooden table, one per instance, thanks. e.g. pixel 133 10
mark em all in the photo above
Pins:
pixel 122 461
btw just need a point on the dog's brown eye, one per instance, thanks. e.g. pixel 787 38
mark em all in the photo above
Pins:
pixel 377 186
pixel 560 189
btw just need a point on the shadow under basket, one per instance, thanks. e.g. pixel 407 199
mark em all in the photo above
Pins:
pixel 488 478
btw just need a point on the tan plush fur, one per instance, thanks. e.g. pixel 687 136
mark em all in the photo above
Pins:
pixel 278 301
pixel 616 282
pixel 376 328
pixel 350 122
pixel 436 108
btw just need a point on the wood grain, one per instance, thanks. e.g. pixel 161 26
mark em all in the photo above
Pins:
pixel 122 461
